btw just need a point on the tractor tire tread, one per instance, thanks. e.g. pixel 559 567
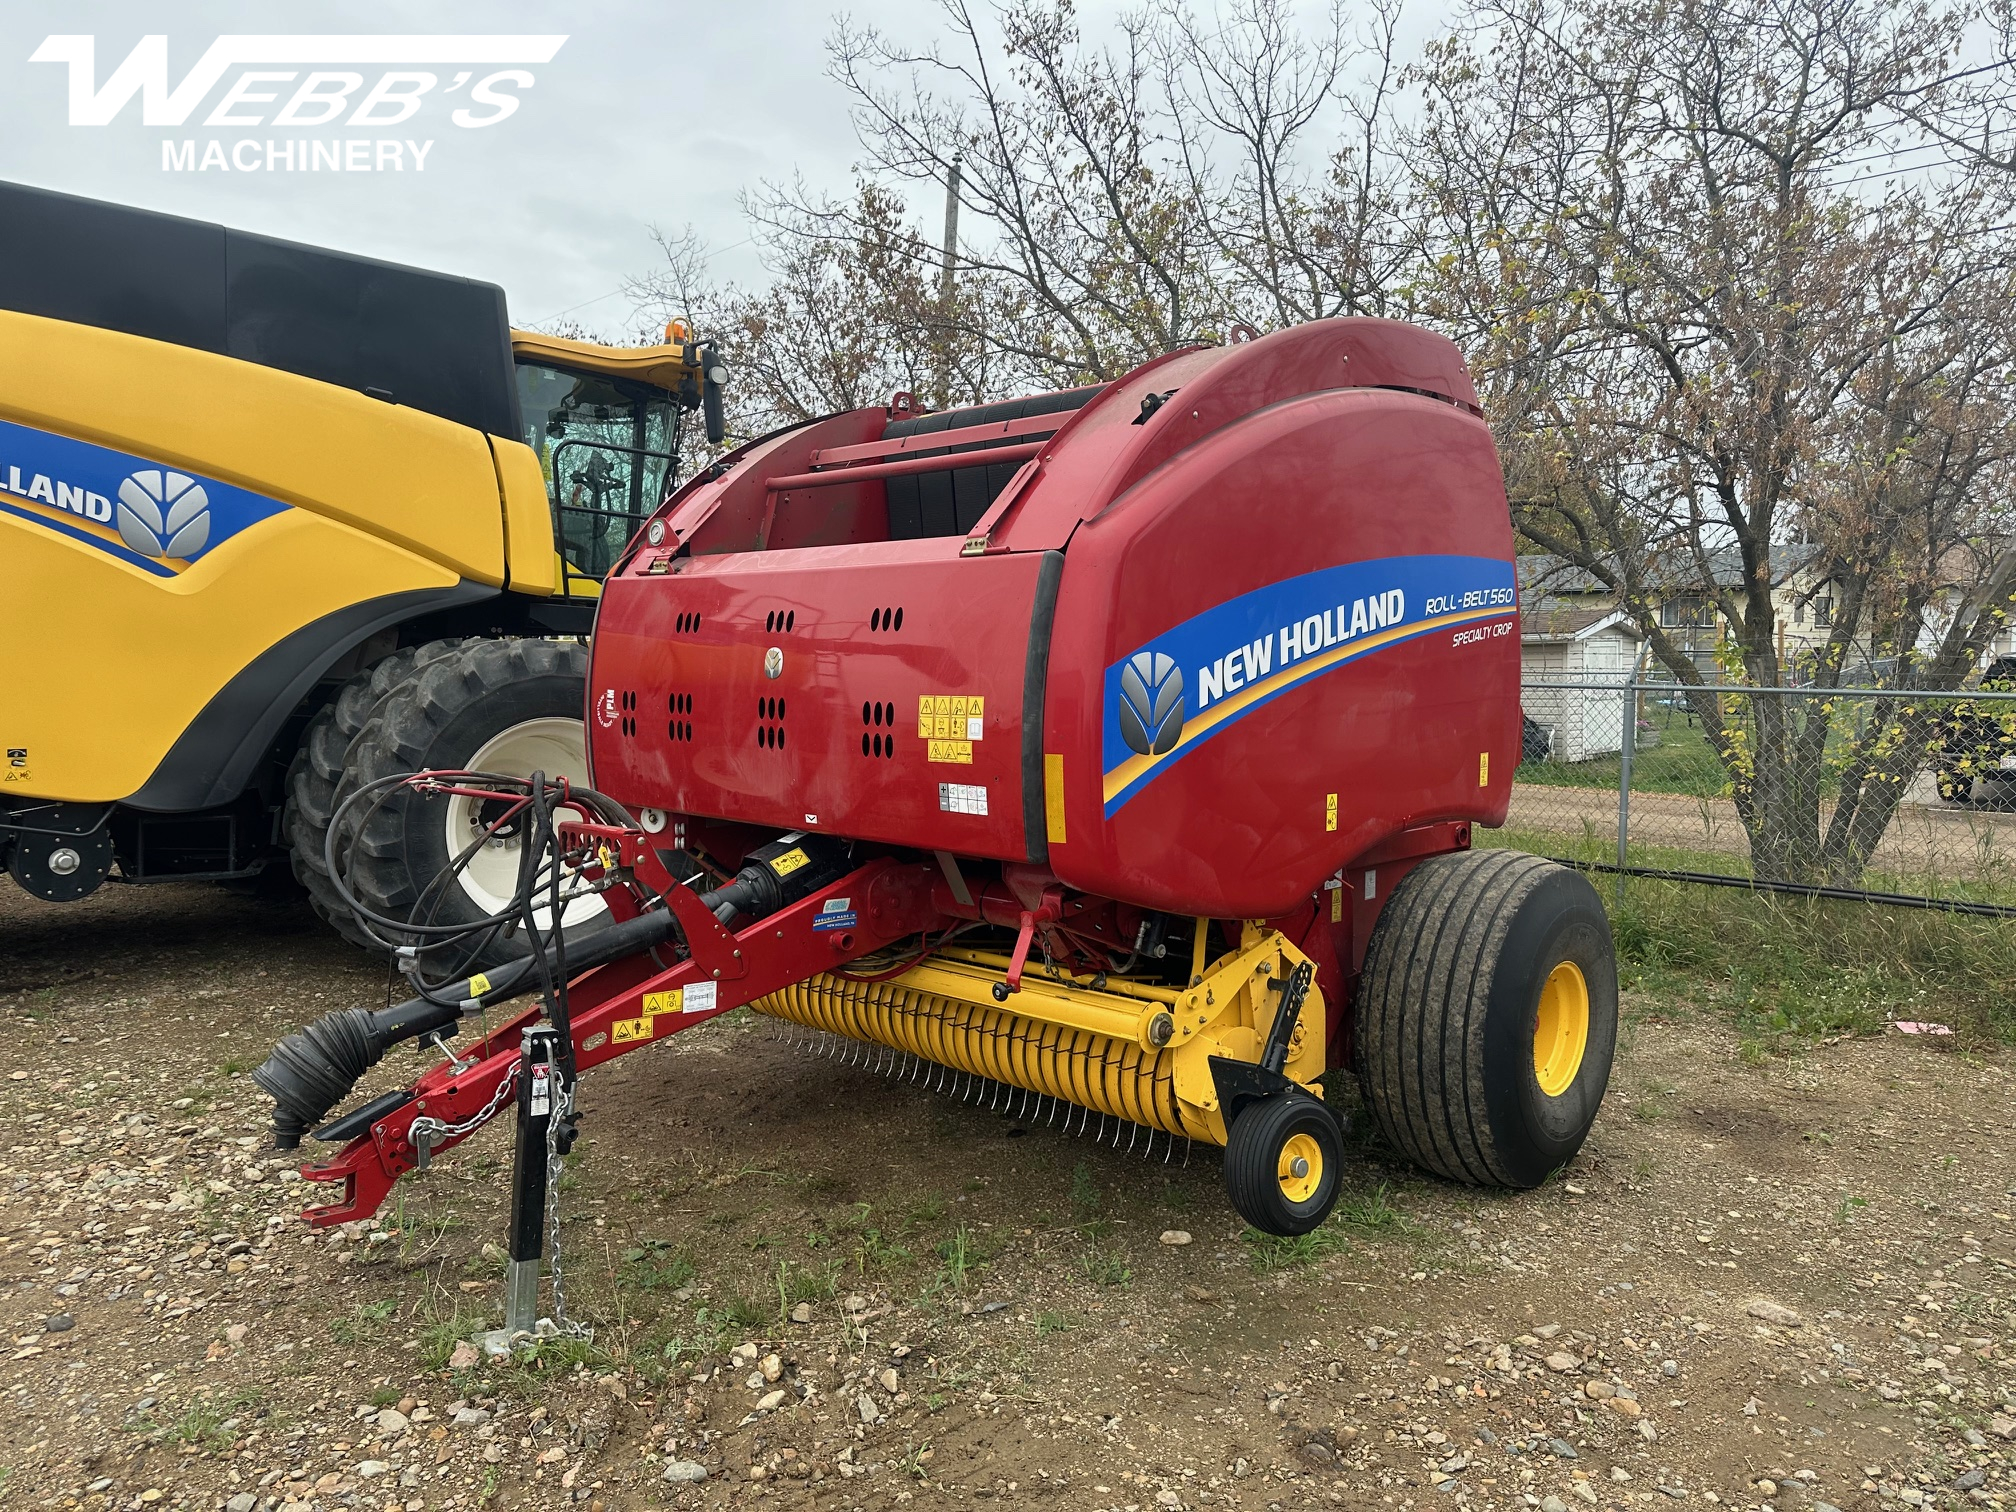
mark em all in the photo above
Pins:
pixel 316 772
pixel 401 732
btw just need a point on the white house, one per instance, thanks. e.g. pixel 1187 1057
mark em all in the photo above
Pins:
pixel 1569 658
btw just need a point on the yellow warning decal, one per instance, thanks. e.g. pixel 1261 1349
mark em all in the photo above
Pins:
pixel 629 1031
pixel 959 752
pixel 1483 769
pixel 951 716
pixel 1329 812
pixel 661 1002
pixel 790 861
pixel 1053 797
pixel 478 985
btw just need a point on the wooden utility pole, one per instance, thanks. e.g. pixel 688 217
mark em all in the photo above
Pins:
pixel 946 284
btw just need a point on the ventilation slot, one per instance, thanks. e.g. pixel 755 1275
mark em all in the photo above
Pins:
pixel 676 728
pixel 780 620
pixel 686 624
pixel 628 724
pixel 880 620
pixel 878 730
pixel 770 723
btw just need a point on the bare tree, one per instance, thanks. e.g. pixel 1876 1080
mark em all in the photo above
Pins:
pixel 1715 358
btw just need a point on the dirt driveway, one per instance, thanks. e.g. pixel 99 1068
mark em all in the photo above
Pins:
pixel 1928 840
pixel 1790 1286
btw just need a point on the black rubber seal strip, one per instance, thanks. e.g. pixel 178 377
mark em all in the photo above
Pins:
pixel 1035 675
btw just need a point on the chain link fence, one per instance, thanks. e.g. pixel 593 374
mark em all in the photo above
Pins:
pixel 1873 794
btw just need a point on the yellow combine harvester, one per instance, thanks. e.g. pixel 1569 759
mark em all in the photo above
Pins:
pixel 276 519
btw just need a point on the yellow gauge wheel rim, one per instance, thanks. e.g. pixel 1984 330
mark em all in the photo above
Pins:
pixel 1561 1029
pixel 1301 1168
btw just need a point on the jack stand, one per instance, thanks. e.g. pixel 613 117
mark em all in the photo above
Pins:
pixel 538 1090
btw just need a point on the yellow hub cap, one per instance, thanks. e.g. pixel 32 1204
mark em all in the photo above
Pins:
pixel 1301 1168
pixel 1561 1029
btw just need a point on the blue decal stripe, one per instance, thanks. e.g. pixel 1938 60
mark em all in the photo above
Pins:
pixel 1238 655
pixel 1259 695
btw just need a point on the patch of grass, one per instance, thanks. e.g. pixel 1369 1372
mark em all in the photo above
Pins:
pixel 958 1254
pixel 202 1422
pixel 438 1339
pixel 745 1312
pixel 1682 762
pixel 872 1252
pixel 366 1321
pixel 1371 1212
pixel 929 1210
pixel 653 1265
pixel 1053 1322
pixel 1088 1204
pixel 802 1284
pixel 1846 1209
pixel 1276 1252
pixel 384 1396
pixel 1103 1267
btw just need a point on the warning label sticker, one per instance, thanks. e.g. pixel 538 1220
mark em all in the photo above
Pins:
pixel 962 798
pixel 699 998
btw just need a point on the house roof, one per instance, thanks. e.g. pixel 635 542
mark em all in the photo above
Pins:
pixel 1550 622
pixel 1671 572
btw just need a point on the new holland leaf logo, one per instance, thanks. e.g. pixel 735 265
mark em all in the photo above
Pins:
pixel 164 514
pixel 1151 703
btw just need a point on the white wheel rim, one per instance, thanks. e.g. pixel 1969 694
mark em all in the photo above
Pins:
pixel 557 747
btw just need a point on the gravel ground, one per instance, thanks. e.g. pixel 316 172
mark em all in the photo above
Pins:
pixel 1788 1286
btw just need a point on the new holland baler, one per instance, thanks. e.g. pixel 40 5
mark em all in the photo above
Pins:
pixel 1116 749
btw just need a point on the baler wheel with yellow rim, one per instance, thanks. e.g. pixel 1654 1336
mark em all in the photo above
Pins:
pixel 1281 1160
pixel 1487 1016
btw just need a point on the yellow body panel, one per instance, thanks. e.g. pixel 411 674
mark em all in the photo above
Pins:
pixel 379 499
pixel 531 564
pixel 421 482
pixel 664 366
pixel 120 661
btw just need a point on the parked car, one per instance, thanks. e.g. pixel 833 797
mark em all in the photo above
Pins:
pixel 1978 743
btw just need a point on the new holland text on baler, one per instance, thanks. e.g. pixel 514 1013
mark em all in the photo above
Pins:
pixel 1119 747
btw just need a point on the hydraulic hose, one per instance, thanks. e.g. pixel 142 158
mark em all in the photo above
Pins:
pixel 314 1068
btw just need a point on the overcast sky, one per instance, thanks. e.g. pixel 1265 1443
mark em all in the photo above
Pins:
pixel 648 112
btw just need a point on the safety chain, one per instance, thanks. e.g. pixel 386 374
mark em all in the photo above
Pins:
pixel 563 1106
pixel 432 1131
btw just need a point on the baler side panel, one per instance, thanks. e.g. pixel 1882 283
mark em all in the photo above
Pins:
pixel 687 720
pixel 1357 495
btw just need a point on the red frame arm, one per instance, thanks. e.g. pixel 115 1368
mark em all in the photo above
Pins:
pixel 631 1003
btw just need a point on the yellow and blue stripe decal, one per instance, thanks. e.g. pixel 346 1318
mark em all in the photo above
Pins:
pixel 1165 699
pixel 154 517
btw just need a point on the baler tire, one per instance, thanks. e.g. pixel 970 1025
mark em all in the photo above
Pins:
pixel 316 772
pixel 1264 1139
pixel 1466 1045
pixel 441 717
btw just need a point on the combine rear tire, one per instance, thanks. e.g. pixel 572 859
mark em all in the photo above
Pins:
pixel 510 706
pixel 1281 1160
pixel 1487 1016
pixel 317 772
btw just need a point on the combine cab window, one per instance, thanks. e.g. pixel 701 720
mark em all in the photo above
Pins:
pixel 606 447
